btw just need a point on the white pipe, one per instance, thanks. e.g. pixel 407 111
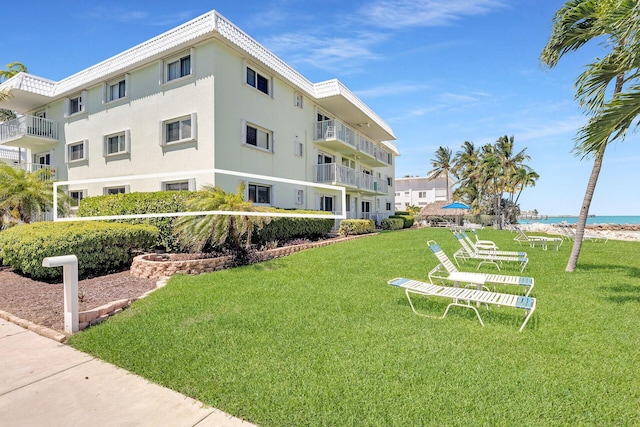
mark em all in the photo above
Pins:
pixel 69 264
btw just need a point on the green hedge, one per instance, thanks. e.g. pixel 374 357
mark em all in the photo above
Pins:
pixel 141 203
pixel 286 228
pixel 100 247
pixel 406 219
pixel 392 223
pixel 356 226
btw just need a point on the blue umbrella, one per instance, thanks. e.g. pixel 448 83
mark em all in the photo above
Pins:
pixel 456 205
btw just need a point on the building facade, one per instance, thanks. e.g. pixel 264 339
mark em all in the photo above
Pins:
pixel 205 95
pixel 420 191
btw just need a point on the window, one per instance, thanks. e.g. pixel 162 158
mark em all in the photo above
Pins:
pixel 388 206
pixel 115 190
pixel 389 180
pixel 77 151
pixel 116 89
pixel 258 81
pixel 326 203
pixel 422 194
pixel 76 104
pixel 259 193
pixel 258 137
pixel 297 99
pixel 179 130
pixel 183 185
pixel 298 148
pixel 299 197
pixel 178 67
pixel 117 143
pixel 77 196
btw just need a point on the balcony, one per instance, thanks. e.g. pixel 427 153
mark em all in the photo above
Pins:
pixel 30 132
pixel 372 154
pixel 335 174
pixel 32 167
pixel 336 136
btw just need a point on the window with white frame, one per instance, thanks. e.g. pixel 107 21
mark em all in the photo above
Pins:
pixel 177 67
pixel 326 203
pixel 257 137
pixel 122 189
pixel 181 185
pixel 299 196
pixel 258 81
pixel 77 151
pixel 260 194
pixel 298 148
pixel 422 194
pixel 177 130
pixel 118 143
pixel 389 180
pixel 116 89
pixel 298 99
pixel 76 197
pixel 75 104
pixel 388 206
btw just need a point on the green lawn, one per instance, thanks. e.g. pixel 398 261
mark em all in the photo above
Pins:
pixel 320 338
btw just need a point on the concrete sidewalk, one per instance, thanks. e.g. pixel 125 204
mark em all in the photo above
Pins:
pixel 45 383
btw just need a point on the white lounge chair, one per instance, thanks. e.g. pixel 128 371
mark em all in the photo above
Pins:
pixel 463 297
pixel 445 269
pixel 496 258
pixel 542 241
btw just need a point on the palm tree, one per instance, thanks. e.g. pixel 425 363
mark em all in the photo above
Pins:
pixel 223 231
pixel 442 165
pixel 465 171
pixel 13 68
pixel 575 24
pixel 24 194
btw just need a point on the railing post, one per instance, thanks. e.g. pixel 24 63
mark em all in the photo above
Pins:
pixel 69 264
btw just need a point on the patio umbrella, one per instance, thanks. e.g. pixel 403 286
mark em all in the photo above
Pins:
pixel 458 206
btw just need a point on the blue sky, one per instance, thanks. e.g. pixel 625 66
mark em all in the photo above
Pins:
pixel 440 72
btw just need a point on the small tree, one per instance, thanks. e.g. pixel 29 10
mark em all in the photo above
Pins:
pixel 232 232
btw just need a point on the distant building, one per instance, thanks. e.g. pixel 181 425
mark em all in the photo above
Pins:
pixel 420 191
pixel 12 155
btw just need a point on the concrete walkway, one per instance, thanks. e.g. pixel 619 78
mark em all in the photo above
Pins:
pixel 45 383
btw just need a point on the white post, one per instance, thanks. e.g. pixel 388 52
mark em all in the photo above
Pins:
pixel 69 264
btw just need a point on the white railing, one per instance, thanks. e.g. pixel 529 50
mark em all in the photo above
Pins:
pixel 369 182
pixel 32 167
pixel 334 129
pixel 28 126
pixel 333 172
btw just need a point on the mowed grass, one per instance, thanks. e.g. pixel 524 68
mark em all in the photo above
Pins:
pixel 319 338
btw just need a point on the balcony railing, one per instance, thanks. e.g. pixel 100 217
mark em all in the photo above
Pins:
pixel 339 174
pixel 335 130
pixel 28 126
pixel 32 167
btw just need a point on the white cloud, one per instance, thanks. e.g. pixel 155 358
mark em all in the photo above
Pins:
pixel 425 13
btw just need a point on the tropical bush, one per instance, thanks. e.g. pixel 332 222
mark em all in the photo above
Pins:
pixel 392 223
pixel 284 229
pixel 356 226
pixel 406 219
pixel 100 247
pixel 141 203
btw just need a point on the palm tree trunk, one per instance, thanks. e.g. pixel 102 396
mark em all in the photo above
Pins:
pixel 588 195
pixel 584 212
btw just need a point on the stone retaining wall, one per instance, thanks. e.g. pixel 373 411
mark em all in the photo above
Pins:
pixel 153 266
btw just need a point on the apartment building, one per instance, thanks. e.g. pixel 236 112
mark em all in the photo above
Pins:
pixel 205 95
pixel 420 191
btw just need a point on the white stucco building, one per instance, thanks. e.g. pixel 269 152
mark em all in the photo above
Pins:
pixel 205 95
pixel 420 191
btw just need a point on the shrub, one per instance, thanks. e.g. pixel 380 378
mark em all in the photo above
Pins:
pixel 392 223
pixel 406 219
pixel 356 226
pixel 285 228
pixel 141 203
pixel 100 247
pixel 399 213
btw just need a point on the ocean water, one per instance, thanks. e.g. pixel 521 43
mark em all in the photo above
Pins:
pixel 590 220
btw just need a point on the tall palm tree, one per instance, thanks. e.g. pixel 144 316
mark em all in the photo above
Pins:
pixel 223 231
pixel 442 165
pixel 465 165
pixel 575 24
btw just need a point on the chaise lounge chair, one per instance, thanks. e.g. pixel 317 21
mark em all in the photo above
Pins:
pixel 541 241
pixel 463 297
pixel 446 271
pixel 496 258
